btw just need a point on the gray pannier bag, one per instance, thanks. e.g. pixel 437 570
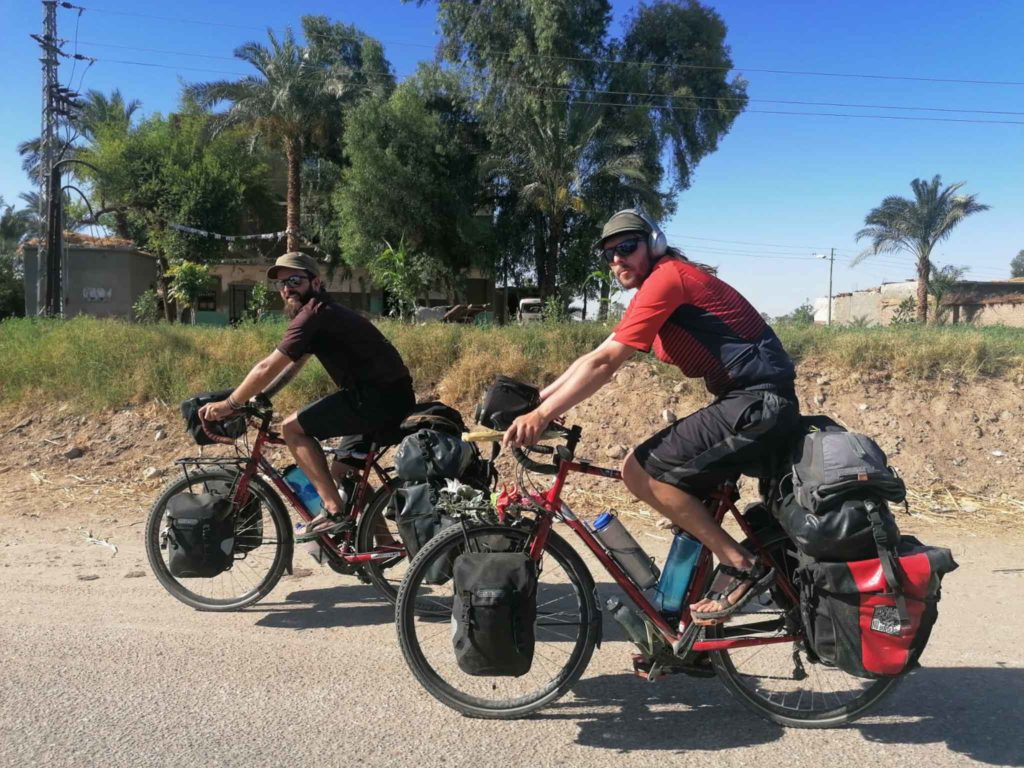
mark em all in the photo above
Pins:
pixel 830 467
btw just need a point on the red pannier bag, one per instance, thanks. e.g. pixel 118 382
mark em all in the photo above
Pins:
pixel 872 618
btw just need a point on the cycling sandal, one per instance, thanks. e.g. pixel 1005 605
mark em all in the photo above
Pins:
pixel 325 525
pixel 760 577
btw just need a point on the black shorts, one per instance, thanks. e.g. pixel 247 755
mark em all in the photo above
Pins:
pixel 358 410
pixel 721 441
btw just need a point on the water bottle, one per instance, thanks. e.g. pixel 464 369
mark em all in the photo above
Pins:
pixel 625 551
pixel 676 575
pixel 304 489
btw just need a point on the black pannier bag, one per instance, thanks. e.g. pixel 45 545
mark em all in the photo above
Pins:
pixel 432 455
pixel 505 400
pixel 872 618
pixel 839 534
pixel 233 427
pixel 831 466
pixel 200 535
pixel 494 612
pixel 435 415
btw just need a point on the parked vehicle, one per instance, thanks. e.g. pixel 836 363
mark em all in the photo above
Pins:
pixel 530 311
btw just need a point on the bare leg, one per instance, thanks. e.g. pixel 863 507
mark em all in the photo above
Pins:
pixel 690 514
pixel 310 457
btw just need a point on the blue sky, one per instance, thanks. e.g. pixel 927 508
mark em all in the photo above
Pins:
pixel 779 188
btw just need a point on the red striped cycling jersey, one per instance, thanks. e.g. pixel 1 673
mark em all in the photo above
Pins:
pixel 706 328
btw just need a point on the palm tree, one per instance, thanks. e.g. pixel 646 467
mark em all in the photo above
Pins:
pixel 917 226
pixel 557 154
pixel 288 102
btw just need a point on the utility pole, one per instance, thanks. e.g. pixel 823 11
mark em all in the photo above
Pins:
pixel 831 261
pixel 48 292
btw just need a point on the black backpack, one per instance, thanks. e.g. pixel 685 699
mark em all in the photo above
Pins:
pixel 505 400
pixel 494 612
pixel 832 465
pixel 233 427
pixel 200 535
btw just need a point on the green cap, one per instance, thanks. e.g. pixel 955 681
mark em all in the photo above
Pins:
pixel 623 221
pixel 294 260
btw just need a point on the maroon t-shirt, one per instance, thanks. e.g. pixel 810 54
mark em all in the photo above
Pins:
pixel 350 348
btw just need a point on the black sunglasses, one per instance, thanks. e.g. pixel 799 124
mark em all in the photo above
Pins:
pixel 292 282
pixel 625 248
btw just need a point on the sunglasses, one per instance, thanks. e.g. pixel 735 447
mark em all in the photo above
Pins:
pixel 292 282
pixel 623 249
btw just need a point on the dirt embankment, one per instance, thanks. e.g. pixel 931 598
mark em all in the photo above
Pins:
pixel 958 445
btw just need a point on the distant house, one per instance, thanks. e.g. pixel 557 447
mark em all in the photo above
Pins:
pixel 872 306
pixel 990 302
pixel 102 276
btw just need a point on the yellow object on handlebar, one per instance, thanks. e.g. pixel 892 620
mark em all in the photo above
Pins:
pixel 495 435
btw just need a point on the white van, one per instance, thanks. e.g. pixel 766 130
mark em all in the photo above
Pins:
pixel 530 310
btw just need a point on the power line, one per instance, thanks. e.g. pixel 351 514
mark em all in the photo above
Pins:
pixel 605 60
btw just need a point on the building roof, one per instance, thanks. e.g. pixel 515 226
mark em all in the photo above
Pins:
pixel 1009 291
pixel 82 240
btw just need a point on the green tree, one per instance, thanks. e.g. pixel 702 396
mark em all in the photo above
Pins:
pixel 405 274
pixel 146 308
pixel 13 225
pixel 293 101
pixel 802 315
pixel 412 175
pixel 1017 265
pixel 259 302
pixel 916 226
pixel 576 124
pixel 189 282
pixel 941 281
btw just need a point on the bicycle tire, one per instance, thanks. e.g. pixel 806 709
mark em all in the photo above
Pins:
pixel 368 528
pixel 280 561
pixel 408 609
pixel 762 703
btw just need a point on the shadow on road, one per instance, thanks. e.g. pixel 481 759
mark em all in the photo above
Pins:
pixel 341 606
pixel 973 711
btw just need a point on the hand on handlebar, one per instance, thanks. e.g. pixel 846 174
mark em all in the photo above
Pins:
pixel 216 411
pixel 526 430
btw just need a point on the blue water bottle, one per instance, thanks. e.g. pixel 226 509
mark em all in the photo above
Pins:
pixel 676 575
pixel 304 489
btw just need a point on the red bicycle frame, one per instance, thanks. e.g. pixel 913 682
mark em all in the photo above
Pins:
pixel 258 462
pixel 724 497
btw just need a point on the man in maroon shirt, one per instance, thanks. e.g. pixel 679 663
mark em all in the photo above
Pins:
pixel 374 386
pixel 695 321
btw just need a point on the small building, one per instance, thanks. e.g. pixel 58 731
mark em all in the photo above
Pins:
pixel 102 276
pixel 871 306
pixel 989 302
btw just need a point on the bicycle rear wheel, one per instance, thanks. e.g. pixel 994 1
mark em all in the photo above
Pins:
pixel 779 681
pixel 263 546
pixel 567 629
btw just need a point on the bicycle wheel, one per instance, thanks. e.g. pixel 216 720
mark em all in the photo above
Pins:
pixel 377 532
pixel 779 681
pixel 263 546
pixel 567 629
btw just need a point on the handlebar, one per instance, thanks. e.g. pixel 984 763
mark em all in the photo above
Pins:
pixel 553 432
pixel 260 407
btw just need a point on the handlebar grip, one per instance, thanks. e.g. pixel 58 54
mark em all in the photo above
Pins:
pixel 534 466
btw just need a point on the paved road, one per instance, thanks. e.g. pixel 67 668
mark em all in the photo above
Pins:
pixel 112 671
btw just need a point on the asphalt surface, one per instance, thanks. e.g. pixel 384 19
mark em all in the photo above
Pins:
pixel 112 671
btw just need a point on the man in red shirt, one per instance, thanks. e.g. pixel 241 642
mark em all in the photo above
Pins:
pixel 374 386
pixel 695 321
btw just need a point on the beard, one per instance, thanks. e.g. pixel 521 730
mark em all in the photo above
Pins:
pixel 295 301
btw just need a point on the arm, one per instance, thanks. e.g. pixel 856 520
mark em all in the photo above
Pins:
pixel 592 371
pixel 554 386
pixel 284 377
pixel 261 375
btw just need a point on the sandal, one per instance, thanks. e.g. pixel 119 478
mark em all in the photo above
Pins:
pixel 320 526
pixel 760 577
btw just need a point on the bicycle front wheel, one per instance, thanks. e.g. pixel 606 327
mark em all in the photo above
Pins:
pixel 378 534
pixel 263 543
pixel 780 682
pixel 567 628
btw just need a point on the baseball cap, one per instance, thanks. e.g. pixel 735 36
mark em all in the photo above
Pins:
pixel 623 221
pixel 294 260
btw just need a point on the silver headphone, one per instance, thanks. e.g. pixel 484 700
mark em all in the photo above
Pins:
pixel 657 243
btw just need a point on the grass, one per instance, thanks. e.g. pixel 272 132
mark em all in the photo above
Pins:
pixel 93 363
